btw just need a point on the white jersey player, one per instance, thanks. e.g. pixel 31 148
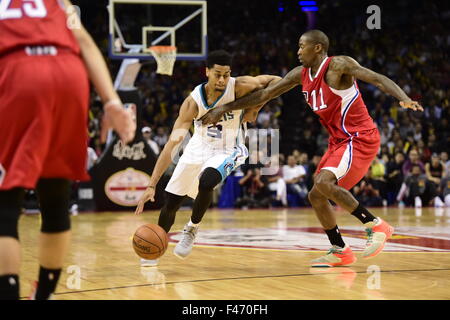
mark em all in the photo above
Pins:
pixel 212 153
pixel 219 146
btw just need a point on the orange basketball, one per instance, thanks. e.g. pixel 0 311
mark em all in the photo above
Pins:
pixel 150 241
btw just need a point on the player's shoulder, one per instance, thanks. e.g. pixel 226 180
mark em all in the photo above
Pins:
pixel 190 100
pixel 245 84
pixel 244 80
pixel 189 107
pixel 339 63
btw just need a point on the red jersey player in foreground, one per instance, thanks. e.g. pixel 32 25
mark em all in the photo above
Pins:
pixel 44 94
pixel 330 88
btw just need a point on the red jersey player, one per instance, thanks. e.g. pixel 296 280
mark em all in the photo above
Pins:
pixel 330 88
pixel 44 94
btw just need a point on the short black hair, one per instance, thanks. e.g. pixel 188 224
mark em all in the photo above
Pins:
pixel 317 36
pixel 220 57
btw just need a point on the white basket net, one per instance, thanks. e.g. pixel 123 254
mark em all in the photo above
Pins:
pixel 165 57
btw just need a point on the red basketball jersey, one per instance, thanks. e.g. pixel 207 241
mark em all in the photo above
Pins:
pixel 35 22
pixel 342 112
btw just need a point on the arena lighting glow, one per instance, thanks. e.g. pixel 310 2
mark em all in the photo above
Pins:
pixel 310 9
pixel 308 6
pixel 307 3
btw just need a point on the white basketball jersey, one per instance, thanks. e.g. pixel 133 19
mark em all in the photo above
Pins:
pixel 224 136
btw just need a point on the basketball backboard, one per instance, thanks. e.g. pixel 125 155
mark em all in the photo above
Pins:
pixel 135 25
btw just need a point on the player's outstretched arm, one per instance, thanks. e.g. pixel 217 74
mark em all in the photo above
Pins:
pixel 248 84
pixel 260 97
pixel 348 65
pixel 188 112
pixel 116 116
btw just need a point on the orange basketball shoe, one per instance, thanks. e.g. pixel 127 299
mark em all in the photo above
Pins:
pixel 377 235
pixel 335 257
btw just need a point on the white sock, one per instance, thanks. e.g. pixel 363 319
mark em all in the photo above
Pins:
pixel 417 202
pixel 373 223
pixel 191 224
pixel 438 202
pixel 447 200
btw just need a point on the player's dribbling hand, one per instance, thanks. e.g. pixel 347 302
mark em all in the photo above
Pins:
pixel 149 194
pixel 212 116
pixel 409 104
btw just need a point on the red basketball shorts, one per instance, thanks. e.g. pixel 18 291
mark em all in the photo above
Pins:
pixel 43 118
pixel 351 158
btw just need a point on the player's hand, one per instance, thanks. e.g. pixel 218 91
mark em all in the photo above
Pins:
pixel 409 104
pixel 149 194
pixel 212 116
pixel 123 121
pixel 250 115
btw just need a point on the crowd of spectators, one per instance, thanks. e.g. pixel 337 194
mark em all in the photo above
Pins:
pixel 411 48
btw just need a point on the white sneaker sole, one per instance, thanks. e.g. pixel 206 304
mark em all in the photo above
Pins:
pixel 180 256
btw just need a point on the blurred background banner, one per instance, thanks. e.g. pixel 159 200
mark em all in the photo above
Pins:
pixel 123 172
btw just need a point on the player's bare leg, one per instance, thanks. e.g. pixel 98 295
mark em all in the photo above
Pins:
pixel 323 209
pixel 378 231
pixel 339 254
pixel 10 254
pixel 9 268
pixel 54 239
pixel 53 248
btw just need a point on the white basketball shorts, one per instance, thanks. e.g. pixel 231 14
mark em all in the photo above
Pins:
pixel 185 178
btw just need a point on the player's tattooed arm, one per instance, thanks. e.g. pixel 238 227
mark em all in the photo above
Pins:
pixel 188 112
pixel 348 65
pixel 257 98
pixel 247 84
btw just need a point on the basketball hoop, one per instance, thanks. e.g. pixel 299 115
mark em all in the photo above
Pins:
pixel 165 57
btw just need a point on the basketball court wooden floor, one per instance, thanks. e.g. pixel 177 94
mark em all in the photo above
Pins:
pixel 250 254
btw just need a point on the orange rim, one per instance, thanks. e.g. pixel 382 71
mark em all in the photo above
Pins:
pixel 163 48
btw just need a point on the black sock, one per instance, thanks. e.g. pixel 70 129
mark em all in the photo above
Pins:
pixel 48 279
pixel 201 204
pixel 335 237
pixel 9 287
pixel 363 214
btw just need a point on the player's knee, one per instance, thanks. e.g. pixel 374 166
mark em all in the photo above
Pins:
pixel 54 198
pixel 10 207
pixel 324 182
pixel 9 223
pixel 55 220
pixel 209 179
pixel 314 195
